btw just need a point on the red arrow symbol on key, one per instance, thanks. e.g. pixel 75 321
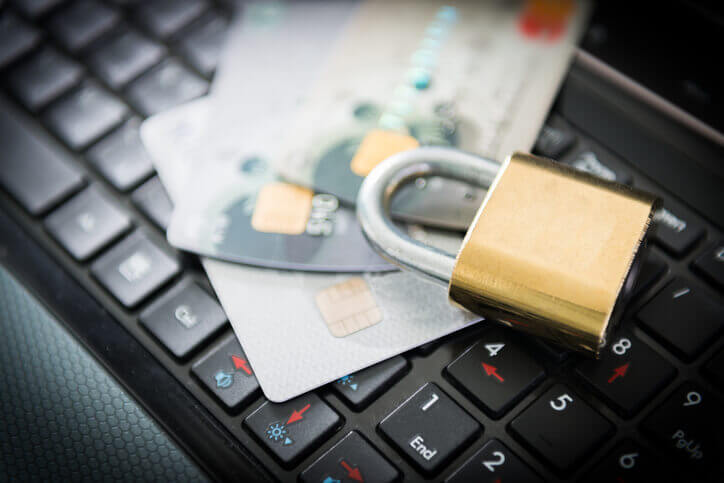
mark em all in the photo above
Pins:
pixel 353 473
pixel 240 363
pixel 492 371
pixel 297 415
pixel 618 372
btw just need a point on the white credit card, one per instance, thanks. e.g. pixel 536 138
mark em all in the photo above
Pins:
pixel 477 75
pixel 302 330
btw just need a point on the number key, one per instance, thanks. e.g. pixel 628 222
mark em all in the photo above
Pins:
pixel 628 373
pixel 561 427
pixel 689 423
pixel 494 462
pixel 629 463
pixel 496 372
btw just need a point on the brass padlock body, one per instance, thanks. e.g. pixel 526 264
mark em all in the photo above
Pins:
pixel 550 249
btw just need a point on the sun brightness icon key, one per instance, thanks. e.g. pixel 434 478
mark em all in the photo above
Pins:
pixel 278 431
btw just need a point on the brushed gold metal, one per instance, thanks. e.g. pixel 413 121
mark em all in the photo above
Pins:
pixel 549 251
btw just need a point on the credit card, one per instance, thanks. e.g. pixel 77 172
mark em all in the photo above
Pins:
pixel 236 208
pixel 480 76
pixel 301 330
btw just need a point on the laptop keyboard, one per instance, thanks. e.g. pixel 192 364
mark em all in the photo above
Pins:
pixel 485 404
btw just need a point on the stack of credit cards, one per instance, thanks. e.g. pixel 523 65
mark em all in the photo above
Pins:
pixel 309 97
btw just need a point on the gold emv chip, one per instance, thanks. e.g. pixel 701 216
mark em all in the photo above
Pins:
pixel 377 146
pixel 348 307
pixel 282 208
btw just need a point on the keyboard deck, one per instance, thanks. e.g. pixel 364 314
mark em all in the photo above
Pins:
pixel 485 404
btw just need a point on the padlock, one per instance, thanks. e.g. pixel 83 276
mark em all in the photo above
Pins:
pixel 550 252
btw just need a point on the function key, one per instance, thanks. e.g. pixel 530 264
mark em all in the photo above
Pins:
pixel 430 428
pixel 202 45
pixel 81 23
pixel 711 264
pixel 599 163
pixel 683 317
pixel 134 268
pixel 164 87
pixel 16 38
pixel 363 387
pixel 561 427
pixel 36 170
pixel 689 424
pixel 293 429
pixel 153 201
pixel 493 463
pixel 628 374
pixel 629 463
pixel 353 459
pixel 226 372
pixel 553 142
pixel 87 223
pixel 166 17
pixel 184 318
pixel 124 57
pixel 496 372
pixel 43 78
pixel 675 233
pixel 85 115
pixel 121 157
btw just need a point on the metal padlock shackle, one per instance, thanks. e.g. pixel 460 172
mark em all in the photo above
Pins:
pixel 551 250
pixel 373 201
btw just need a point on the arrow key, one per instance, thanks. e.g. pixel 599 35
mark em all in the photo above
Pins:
pixel 226 373
pixel 354 460
pixel 293 429
pixel 496 372
pixel 628 374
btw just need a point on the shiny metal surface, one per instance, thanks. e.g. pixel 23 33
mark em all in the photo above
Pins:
pixel 373 203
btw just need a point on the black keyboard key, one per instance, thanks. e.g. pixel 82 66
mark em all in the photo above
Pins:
pixel 16 38
pixel 124 57
pixel 166 17
pixel 87 223
pixel 652 269
pixel 554 142
pixel 629 463
pixel 164 87
pixel 493 463
pixel 86 114
pixel 82 23
pixel 363 387
pixel 689 424
pixel 35 8
pixel 715 368
pixel 43 78
pixel 153 201
pixel 553 350
pixel 675 233
pixel 35 169
pixel 202 45
pixel 430 428
pixel 353 459
pixel 496 372
pixel 561 427
pixel 598 163
pixel 184 318
pixel 121 158
pixel 293 429
pixel 711 264
pixel 628 374
pixel 226 372
pixel 134 268
pixel 683 317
